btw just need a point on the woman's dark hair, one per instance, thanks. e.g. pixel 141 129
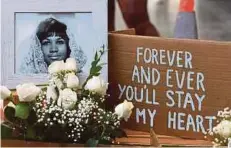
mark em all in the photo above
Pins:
pixel 50 26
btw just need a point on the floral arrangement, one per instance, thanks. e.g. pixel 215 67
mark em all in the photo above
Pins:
pixel 221 133
pixel 66 110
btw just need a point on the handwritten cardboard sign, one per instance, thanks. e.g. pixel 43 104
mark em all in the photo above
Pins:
pixel 177 86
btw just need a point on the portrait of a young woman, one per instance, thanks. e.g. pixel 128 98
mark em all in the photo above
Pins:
pixel 52 41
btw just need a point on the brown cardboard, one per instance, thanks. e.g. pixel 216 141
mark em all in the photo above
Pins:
pixel 210 60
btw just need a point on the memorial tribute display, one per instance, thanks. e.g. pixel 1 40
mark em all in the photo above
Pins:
pixel 177 86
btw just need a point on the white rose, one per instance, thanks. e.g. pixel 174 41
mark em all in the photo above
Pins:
pixel 97 85
pixel 72 80
pixel 124 110
pixel 58 83
pixel 71 64
pixel 5 92
pixel 27 92
pixel 51 93
pixel 67 98
pixel 225 128
pixel 56 66
pixel 216 130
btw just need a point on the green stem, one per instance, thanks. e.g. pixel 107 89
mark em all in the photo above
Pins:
pixel 102 132
pixel 91 75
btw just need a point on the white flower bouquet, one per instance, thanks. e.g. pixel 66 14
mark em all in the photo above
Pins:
pixel 220 135
pixel 65 110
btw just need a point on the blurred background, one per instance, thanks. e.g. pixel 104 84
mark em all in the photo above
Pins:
pixel 197 19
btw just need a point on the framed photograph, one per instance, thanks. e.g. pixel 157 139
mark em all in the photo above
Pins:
pixel 36 33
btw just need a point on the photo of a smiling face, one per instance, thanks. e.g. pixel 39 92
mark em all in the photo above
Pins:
pixel 45 37
pixel 37 34
pixel 54 40
pixel 42 38
pixel 54 48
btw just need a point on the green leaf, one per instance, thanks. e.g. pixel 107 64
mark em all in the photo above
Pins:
pixel 98 68
pixel 9 113
pixel 96 55
pixel 6 131
pixel 92 142
pixel 101 52
pixel 96 74
pixel 95 70
pixel 93 64
pixel 22 110
pixel 92 71
pixel 30 133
